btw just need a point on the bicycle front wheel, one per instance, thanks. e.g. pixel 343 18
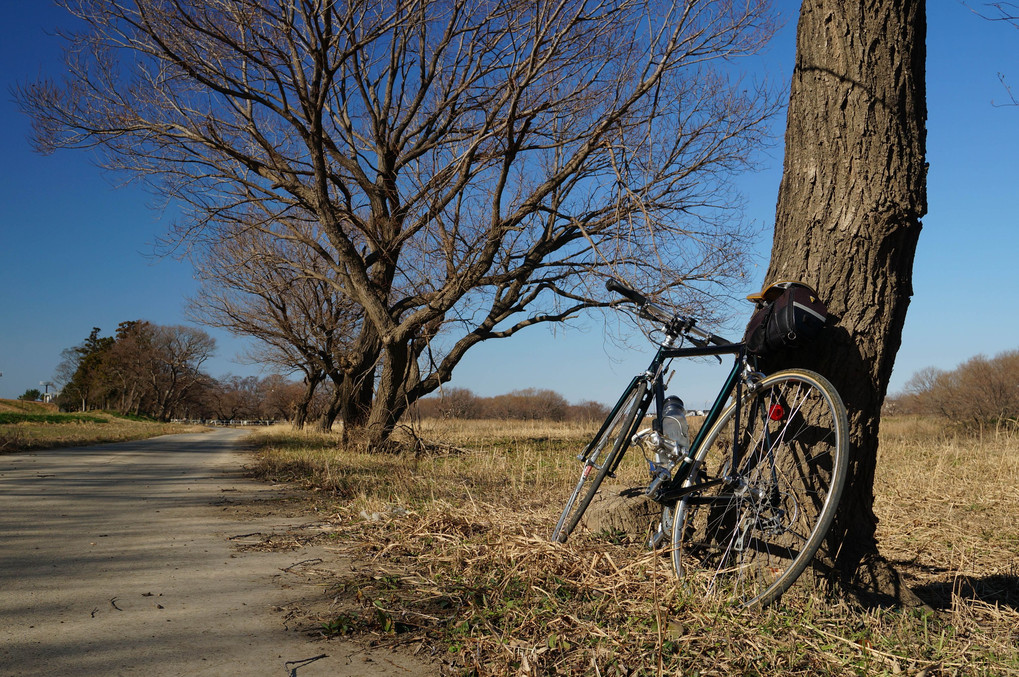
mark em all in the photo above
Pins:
pixel 601 457
pixel 756 524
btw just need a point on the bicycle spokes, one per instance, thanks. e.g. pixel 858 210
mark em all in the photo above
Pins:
pixel 753 532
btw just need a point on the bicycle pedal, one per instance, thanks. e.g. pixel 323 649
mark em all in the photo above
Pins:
pixel 656 483
pixel 662 531
pixel 656 538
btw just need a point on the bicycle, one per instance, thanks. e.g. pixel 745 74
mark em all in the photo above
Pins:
pixel 751 499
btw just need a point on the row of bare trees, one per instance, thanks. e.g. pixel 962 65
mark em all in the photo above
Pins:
pixel 423 174
pixel 156 371
pixel 260 286
pixel 981 390
pixel 269 398
pixel 520 405
pixel 153 370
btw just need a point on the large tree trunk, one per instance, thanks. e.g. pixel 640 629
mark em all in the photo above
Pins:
pixel 389 404
pixel 358 369
pixel 332 410
pixel 311 382
pixel 847 223
pixel 356 404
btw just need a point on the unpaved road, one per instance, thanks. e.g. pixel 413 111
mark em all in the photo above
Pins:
pixel 117 560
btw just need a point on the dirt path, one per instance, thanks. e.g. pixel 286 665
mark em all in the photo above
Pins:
pixel 121 560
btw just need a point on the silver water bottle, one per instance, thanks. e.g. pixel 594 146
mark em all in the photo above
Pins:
pixel 674 426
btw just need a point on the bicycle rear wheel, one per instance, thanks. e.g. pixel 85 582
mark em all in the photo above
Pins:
pixel 600 457
pixel 751 533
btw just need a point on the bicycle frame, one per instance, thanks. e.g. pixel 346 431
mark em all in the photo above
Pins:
pixel 653 382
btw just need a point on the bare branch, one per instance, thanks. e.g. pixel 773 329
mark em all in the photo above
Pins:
pixel 455 170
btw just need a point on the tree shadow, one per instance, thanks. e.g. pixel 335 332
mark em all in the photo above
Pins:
pixel 850 556
pixel 1000 590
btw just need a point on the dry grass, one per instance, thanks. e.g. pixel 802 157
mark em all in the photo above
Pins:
pixel 461 566
pixel 949 509
pixel 948 501
pixel 22 406
pixel 76 430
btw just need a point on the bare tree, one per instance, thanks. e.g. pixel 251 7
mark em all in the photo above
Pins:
pixel 71 392
pixel 980 391
pixel 1009 13
pixel 237 397
pixel 847 222
pixel 475 168
pixel 928 391
pixel 178 353
pixel 279 398
pixel 265 286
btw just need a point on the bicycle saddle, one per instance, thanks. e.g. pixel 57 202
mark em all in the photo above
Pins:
pixel 775 289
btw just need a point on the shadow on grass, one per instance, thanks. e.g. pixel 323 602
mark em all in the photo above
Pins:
pixel 997 590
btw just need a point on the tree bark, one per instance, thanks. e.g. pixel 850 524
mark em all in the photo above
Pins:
pixel 388 405
pixel 311 382
pixel 847 223
pixel 332 410
pixel 356 404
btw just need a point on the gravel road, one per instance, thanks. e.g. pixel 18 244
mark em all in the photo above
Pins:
pixel 117 560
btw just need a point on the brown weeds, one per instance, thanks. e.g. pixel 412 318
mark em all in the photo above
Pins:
pixel 29 436
pixel 459 564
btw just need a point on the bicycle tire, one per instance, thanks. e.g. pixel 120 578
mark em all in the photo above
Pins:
pixel 600 458
pixel 752 536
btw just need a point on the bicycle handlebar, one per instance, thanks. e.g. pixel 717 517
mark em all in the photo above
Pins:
pixel 612 284
pixel 675 323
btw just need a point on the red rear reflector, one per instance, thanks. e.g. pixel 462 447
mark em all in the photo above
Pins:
pixel 776 412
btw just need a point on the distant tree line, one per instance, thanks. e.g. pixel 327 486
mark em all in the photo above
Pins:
pixel 979 391
pixel 519 405
pixel 155 371
pixel 151 370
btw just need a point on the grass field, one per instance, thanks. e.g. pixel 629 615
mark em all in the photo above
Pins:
pixel 461 566
pixel 28 426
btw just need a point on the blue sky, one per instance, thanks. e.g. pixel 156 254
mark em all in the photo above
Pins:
pixel 75 243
